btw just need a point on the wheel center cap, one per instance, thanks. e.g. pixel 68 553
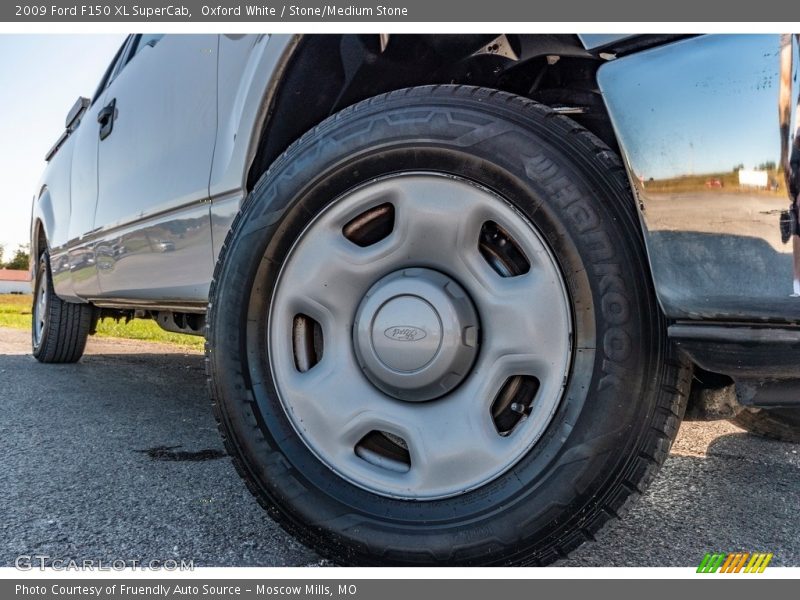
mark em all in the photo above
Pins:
pixel 406 333
pixel 416 334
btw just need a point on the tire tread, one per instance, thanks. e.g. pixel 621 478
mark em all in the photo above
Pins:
pixel 67 326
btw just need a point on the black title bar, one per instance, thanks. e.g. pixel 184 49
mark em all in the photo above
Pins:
pixel 459 11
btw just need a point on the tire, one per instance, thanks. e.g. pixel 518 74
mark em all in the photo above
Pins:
pixel 775 423
pixel 595 448
pixel 59 329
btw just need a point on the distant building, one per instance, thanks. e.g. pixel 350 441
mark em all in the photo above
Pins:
pixel 753 178
pixel 14 282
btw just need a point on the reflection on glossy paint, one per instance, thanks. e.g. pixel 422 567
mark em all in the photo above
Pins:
pixel 176 246
pixel 790 158
pixel 698 125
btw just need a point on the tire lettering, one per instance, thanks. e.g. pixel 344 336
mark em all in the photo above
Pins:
pixel 610 278
pixel 614 304
pixel 584 217
pixel 615 308
pixel 600 248
pixel 617 344
pixel 612 376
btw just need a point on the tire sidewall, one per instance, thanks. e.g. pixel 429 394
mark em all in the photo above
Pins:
pixel 42 279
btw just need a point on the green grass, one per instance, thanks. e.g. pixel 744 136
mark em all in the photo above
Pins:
pixel 148 330
pixel 15 312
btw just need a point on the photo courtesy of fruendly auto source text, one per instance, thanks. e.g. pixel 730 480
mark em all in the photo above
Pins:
pixel 306 300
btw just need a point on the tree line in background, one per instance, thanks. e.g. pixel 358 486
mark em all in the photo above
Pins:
pixel 19 260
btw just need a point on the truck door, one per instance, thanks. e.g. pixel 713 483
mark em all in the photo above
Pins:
pixel 156 142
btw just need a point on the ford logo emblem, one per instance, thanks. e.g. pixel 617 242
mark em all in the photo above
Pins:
pixel 404 333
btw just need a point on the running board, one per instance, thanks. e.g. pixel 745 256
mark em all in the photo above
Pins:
pixel 762 360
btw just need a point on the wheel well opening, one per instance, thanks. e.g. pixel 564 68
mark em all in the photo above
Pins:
pixel 40 239
pixel 330 72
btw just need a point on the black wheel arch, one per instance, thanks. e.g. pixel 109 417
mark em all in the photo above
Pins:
pixel 326 73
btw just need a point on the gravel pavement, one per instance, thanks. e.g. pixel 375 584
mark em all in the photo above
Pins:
pixel 118 457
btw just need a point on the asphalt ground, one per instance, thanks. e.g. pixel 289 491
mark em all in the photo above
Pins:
pixel 118 457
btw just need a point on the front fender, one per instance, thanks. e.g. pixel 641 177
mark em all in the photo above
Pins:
pixel 698 125
pixel 43 222
pixel 252 66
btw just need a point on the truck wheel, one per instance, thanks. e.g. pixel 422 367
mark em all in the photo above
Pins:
pixel 433 338
pixel 59 329
pixel 775 423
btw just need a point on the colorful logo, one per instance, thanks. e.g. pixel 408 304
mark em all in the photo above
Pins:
pixel 735 562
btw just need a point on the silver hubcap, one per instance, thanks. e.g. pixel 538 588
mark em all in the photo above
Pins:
pixel 420 336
